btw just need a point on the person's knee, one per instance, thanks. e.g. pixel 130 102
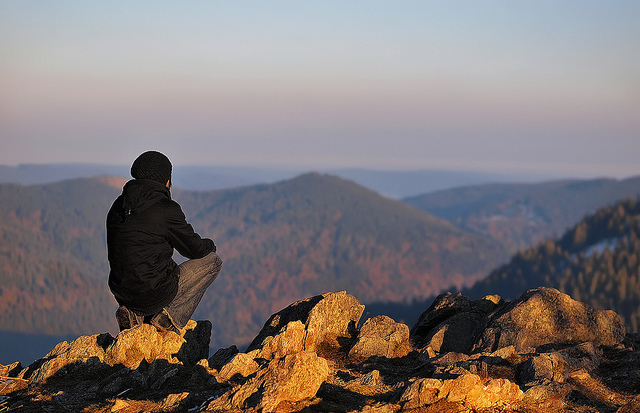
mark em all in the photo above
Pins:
pixel 216 261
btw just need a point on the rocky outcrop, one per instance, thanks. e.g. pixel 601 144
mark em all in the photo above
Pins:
pixel 381 336
pixel 322 321
pixel 541 353
pixel 543 316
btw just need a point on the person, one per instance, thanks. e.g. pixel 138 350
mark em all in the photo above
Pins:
pixel 144 226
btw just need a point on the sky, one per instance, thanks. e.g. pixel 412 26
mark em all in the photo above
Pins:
pixel 537 87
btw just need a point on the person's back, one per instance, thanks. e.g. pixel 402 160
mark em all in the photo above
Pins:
pixel 144 226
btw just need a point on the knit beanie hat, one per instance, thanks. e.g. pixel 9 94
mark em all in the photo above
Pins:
pixel 152 165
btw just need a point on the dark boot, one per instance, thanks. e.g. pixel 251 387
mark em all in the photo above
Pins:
pixel 127 318
pixel 163 322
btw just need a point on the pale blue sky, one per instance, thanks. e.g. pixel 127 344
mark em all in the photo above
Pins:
pixel 544 86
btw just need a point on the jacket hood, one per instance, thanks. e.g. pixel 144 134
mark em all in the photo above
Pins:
pixel 140 194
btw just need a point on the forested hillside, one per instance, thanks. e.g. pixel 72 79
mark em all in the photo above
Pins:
pixel 522 215
pixel 280 243
pixel 598 262
pixel 52 257
pixel 319 233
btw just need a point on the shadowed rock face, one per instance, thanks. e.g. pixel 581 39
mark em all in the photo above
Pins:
pixel 543 352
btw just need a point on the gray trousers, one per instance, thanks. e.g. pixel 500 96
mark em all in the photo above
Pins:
pixel 196 276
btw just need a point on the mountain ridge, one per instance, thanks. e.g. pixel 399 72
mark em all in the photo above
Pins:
pixel 393 183
pixel 522 215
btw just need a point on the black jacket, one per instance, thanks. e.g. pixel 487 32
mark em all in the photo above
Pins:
pixel 144 225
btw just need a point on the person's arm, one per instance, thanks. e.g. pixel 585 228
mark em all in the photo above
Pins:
pixel 182 237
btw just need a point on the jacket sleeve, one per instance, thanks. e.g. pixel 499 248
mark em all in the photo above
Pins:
pixel 182 237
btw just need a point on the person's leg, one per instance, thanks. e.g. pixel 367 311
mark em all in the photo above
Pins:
pixel 195 277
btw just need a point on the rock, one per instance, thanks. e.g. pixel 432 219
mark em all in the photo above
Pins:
pixel 421 392
pixel 582 356
pixel 467 389
pixel 128 349
pixel 546 367
pixel 539 317
pixel 632 407
pixel 197 337
pixel 144 342
pixel 292 378
pixel 289 340
pixel 81 350
pixel 453 323
pixel 143 370
pixel 381 336
pixel 582 382
pixel 443 307
pixel 242 364
pixel 456 390
pixel 173 400
pixel 11 370
pixel 450 358
pixel 558 365
pixel 549 397
pixel 222 357
pixel 326 318
pixel 494 393
pixel 546 316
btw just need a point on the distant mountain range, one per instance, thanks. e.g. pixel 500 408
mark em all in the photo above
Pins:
pixel 280 242
pixel 522 215
pixel 392 184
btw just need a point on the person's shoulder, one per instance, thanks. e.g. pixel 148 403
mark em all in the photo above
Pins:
pixel 171 207
pixel 116 204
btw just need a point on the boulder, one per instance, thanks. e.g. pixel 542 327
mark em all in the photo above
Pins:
pixel 381 336
pixel 10 370
pixel 197 337
pixel 547 398
pixel 545 368
pixel 84 349
pixel 422 392
pixel 545 316
pixel 443 307
pixel 596 391
pixel 290 339
pixel 540 317
pixel 222 357
pixel 557 366
pixel 495 393
pixel 467 389
pixel 327 320
pixel 292 378
pixel 453 323
pixel 144 342
pixel 241 363
pixel 129 348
